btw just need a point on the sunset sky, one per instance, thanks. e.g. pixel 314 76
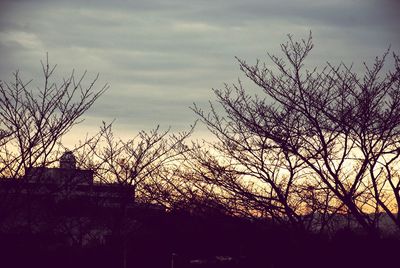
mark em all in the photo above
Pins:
pixel 161 56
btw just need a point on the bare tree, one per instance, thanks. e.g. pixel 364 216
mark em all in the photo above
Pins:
pixel 246 175
pixel 136 162
pixel 32 121
pixel 137 169
pixel 320 142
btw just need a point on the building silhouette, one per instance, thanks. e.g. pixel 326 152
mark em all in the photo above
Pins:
pixel 67 203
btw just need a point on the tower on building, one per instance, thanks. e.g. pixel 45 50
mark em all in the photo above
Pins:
pixel 68 160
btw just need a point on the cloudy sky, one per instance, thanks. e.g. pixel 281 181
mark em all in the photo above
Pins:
pixel 161 56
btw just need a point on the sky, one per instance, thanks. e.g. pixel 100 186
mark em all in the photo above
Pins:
pixel 161 56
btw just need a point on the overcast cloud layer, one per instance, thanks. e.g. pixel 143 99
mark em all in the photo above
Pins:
pixel 161 56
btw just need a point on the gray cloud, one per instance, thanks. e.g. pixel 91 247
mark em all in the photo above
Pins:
pixel 160 56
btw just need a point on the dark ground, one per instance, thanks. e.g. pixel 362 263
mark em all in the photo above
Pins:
pixel 203 242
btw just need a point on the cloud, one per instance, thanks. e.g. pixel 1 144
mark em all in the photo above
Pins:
pixel 23 39
pixel 161 56
pixel 194 27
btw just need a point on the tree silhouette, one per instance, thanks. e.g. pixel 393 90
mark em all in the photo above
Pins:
pixel 319 142
pixel 139 162
pixel 32 120
pixel 32 123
